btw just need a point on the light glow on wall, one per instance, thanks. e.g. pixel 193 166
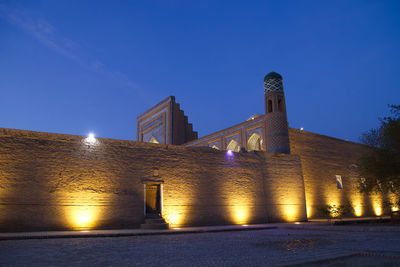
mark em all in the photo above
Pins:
pixel 309 211
pixel 358 210
pixel 290 212
pixel 376 201
pixel 356 203
pixel 178 207
pixel 240 214
pixel 238 202
pixel 82 217
pixel 378 210
pixel 173 217
pixel 394 200
pixel 310 205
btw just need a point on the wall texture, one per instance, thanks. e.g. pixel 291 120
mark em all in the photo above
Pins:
pixel 53 181
pixel 323 158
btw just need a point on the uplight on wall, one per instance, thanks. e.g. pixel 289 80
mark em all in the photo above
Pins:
pixel 378 210
pixel 356 201
pixel 377 202
pixel 173 217
pixel 290 212
pixel 358 210
pixel 82 217
pixel 240 214
pixel 309 211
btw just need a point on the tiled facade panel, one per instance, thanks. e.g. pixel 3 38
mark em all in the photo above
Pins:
pixel 155 125
pixel 257 130
pixel 216 143
pixel 53 181
pixel 257 141
pixel 236 137
pixel 234 132
pixel 166 123
pixel 156 132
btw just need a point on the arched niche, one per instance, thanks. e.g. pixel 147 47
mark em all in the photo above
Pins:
pixel 233 145
pixel 153 140
pixel 215 147
pixel 255 142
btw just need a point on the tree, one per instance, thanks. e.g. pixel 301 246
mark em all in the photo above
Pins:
pixel 379 163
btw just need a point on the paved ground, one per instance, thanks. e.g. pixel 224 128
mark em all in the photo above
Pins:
pixel 332 246
pixel 131 232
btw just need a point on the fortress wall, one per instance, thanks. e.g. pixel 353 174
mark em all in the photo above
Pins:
pixel 53 181
pixel 284 187
pixel 323 158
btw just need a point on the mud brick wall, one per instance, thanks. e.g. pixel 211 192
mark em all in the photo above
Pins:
pixel 54 181
pixel 323 158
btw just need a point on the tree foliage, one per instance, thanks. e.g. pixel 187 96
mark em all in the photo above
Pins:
pixel 380 162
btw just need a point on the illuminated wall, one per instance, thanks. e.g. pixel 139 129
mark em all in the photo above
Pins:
pixel 54 181
pixel 204 186
pixel 285 188
pixel 323 158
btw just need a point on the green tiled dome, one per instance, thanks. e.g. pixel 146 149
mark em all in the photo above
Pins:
pixel 272 75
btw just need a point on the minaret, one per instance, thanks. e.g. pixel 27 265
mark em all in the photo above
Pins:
pixel 277 129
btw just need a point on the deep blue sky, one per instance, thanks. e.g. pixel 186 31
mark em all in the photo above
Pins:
pixel 79 66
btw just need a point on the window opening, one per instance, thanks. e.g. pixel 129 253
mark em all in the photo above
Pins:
pixel 280 105
pixel 269 105
pixel 339 182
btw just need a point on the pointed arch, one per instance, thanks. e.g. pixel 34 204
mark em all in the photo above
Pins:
pixel 255 142
pixel 233 145
pixel 153 140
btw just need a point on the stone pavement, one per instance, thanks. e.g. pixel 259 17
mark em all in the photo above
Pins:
pixel 282 244
pixel 323 225
pixel 131 232
pixel 254 247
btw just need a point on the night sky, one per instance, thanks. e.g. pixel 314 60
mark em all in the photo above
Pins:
pixel 81 66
